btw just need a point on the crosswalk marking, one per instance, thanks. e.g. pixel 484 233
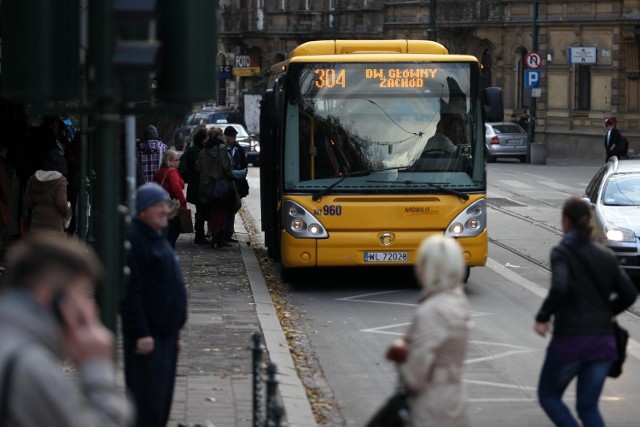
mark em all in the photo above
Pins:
pixel 556 185
pixel 515 183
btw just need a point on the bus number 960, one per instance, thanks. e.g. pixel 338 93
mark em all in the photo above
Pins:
pixel 330 210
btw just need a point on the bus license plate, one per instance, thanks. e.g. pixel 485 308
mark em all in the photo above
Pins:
pixel 385 257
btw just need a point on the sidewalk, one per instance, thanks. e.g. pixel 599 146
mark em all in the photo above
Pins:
pixel 228 302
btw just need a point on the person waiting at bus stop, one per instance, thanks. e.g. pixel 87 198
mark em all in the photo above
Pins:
pixel 153 311
pixel 214 164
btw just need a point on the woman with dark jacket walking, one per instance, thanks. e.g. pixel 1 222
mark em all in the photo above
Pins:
pixel 588 288
pixel 169 178
pixel 214 164
pixel 191 175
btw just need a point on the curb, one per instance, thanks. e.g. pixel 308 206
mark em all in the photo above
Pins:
pixel 294 397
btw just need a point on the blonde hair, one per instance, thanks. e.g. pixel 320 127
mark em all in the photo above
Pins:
pixel 440 264
pixel 168 155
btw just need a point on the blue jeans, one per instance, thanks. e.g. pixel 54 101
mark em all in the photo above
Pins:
pixel 554 380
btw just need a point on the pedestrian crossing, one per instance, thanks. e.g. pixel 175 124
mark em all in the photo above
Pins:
pixel 538 188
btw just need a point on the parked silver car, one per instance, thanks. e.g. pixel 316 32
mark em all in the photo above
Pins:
pixel 614 193
pixel 505 139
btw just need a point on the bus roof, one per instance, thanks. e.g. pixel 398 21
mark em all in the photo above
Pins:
pixel 323 51
pixel 341 47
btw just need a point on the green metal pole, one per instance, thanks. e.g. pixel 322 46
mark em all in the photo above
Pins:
pixel 432 33
pixel 105 213
pixel 533 101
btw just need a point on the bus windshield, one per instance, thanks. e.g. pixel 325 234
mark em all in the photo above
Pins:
pixel 392 127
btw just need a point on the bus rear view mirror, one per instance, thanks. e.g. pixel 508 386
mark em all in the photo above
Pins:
pixel 274 100
pixel 492 103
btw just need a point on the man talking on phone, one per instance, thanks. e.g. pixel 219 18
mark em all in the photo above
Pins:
pixel 47 316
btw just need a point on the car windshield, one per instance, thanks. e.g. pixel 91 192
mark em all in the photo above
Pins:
pixel 507 128
pixel 622 190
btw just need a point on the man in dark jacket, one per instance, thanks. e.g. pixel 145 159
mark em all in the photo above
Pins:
pixel 153 311
pixel 191 176
pixel 239 165
pixel 612 139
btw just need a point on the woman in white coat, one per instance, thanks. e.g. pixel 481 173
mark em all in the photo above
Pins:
pixel 436 341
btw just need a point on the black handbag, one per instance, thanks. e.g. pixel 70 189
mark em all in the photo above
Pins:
pixel 222 192
pixel 394 412
pixel 622 338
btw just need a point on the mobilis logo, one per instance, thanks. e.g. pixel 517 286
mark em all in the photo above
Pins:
pixel 418 210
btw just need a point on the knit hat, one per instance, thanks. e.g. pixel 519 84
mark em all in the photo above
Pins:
pixel 151 132
pixel 230 130
pixel 148 195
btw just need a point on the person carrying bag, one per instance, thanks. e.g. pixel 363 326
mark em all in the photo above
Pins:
pixel 431 355
pixel 588 288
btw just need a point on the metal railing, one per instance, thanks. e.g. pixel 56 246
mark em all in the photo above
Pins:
pixel 267 407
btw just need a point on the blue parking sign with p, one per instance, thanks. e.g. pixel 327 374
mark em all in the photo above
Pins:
pixel 531 78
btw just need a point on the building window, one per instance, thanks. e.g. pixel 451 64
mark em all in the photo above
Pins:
pixel 583 87
pixel 523 95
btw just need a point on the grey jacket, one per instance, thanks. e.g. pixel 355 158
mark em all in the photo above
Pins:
pixel 40 393
pixel 213 163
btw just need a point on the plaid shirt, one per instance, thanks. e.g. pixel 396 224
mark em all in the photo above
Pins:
pixel 149 153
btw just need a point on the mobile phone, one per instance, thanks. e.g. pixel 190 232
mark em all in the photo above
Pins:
pixel 56 302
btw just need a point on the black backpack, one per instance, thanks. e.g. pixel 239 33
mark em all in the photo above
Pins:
pixel 623 148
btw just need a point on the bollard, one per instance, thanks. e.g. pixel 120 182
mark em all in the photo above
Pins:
pixel 257 351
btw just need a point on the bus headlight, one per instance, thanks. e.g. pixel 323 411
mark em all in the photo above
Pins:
pixel 469 223
pixel 299 222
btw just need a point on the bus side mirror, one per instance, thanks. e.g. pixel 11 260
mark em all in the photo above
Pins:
pixel 492 103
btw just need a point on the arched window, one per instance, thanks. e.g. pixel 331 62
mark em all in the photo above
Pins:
pixel 486 69
pixel 523 95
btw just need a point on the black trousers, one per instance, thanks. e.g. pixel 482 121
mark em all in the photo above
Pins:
pixel 201 217
pixel 151 378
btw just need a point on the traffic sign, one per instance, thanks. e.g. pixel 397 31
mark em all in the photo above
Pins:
pixel 531 78
pixel 533 60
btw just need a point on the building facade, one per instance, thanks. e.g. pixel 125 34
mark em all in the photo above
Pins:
pixel 589 50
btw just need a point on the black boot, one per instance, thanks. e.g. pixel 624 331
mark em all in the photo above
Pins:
pixel 201 240
pixel 220 242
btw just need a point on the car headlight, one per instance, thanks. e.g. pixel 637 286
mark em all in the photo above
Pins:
pixel 469 223
pixel 618 234
pixel 299 222
pixel 255 146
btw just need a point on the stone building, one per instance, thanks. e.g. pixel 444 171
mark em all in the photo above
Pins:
pixel 589 52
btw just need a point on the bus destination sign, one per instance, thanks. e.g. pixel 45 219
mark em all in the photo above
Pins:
pixel 392 77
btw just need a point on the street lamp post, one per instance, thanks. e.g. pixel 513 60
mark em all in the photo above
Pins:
pixel 532 100
pixel 432 33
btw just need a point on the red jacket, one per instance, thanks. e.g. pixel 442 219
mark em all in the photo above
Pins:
pixel 173 183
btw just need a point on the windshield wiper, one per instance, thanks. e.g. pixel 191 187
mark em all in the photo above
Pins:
pixel 318 195
pixel 460 194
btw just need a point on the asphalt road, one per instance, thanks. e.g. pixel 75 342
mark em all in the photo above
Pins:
pixel 350 317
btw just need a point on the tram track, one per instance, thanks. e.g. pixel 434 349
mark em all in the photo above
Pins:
pixel 635 312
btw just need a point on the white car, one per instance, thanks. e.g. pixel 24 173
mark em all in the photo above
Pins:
pixel 614 193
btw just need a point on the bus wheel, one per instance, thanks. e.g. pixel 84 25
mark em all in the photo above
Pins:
pixel 290 275
pixel 467 272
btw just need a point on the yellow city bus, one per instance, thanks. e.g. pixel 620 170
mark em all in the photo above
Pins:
pixel 368 147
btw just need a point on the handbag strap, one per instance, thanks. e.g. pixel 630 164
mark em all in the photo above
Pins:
pixel 165 177
pixel 6 385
